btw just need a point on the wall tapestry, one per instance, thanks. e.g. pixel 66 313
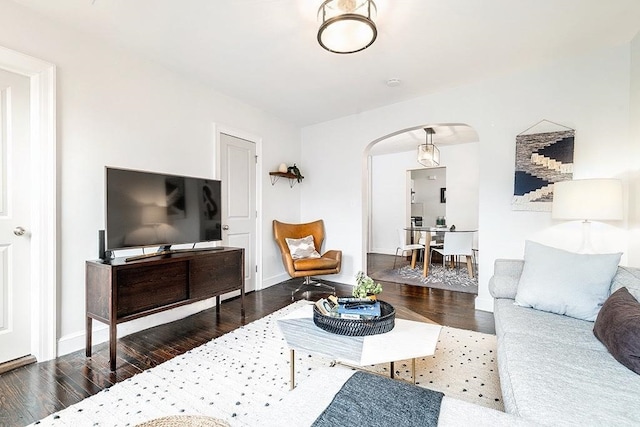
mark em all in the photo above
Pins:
pixel 541 160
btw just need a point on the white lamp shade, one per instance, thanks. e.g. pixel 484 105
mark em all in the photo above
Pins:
pixel 588 199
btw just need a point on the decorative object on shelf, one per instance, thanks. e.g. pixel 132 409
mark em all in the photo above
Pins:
pixel 365 286
pixel 347 25
pixel 428 153
pixel 588 199
pixel 292 173
pixel 542 159
pixel 295 171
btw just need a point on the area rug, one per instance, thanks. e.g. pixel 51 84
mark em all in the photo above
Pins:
pixel 248 369
pixel 439 278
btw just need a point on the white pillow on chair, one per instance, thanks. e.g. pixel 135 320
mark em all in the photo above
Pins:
pixel 302 248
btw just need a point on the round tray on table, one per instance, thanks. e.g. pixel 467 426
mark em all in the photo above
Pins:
pixel 357 327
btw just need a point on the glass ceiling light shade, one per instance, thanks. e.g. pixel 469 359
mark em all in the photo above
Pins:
pixel 347 25
pixel 587 199
pixel 428 154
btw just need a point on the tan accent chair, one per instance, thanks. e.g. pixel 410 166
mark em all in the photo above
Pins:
pixel 329 263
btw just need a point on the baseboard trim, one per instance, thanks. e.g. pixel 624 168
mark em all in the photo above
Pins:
pixel 274 280
pixel 484 304
pixel 76 341
pixel 17 363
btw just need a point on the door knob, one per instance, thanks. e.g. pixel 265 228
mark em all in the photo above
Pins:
pixel 19 231
pixel 225 227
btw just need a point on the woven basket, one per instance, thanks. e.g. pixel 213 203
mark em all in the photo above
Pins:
pixel 357 327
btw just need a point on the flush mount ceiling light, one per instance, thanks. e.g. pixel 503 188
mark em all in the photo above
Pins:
pixel 428 154
pixel 347 25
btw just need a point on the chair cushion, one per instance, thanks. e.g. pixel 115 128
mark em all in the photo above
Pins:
pixel 315 264
pixel 302 248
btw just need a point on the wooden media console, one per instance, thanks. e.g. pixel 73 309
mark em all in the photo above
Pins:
pixel 119 291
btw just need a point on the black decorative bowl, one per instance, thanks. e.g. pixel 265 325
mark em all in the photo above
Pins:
pixel 357 327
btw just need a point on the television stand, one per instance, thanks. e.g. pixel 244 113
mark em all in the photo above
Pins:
pixel 119 291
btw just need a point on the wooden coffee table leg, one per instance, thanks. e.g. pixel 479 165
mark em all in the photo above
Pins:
pixel 392 370
pixel 293 370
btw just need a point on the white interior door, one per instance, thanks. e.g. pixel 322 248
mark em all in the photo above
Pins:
pixel 15 217
pixel 238 175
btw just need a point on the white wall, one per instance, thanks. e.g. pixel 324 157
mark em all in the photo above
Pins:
pixel 388 200
pixel 589 93
pixel 634 158
pixel 463 188
pixel 119 110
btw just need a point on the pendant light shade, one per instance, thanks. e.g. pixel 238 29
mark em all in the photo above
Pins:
pixel 347 25
pixel 428 154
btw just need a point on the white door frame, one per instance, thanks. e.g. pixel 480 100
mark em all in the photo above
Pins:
pixel 219 129
pixel 42 76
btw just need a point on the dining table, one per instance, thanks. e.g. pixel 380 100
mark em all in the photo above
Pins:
pixel 439 233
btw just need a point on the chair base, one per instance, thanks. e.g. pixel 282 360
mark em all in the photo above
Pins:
pixel 320 287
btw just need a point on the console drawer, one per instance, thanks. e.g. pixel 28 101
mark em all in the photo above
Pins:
pixel 145 288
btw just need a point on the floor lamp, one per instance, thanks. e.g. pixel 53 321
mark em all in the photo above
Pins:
pixel 587 200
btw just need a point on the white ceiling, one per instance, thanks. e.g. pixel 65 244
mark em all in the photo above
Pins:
pixel 265 53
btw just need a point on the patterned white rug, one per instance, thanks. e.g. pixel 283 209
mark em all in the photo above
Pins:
pixel 247 369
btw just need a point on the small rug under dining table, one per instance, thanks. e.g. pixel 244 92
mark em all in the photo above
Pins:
pixel 456 279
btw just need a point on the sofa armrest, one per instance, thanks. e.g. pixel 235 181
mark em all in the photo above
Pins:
pixel 506 275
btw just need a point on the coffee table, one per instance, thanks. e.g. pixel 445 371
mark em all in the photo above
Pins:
pixel 407 340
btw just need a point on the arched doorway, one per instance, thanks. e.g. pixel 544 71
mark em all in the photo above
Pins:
pixel 389 162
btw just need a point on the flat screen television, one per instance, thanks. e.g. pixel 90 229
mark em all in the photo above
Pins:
pixel 146 209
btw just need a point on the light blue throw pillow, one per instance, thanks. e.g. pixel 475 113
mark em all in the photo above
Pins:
pixel 564 282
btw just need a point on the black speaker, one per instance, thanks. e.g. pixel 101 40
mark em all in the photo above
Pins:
pixel 101 248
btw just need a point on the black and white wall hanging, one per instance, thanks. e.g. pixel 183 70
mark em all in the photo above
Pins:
pixel 544 155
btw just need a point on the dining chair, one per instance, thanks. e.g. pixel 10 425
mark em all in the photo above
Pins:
pixel 457 243
pixel 404 247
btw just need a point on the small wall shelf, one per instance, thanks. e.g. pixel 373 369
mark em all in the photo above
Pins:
pixel 275 176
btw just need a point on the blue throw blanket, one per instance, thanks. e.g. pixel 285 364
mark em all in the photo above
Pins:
pixel 371 400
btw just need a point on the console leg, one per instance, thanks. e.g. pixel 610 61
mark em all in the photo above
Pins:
pixel 87 348
pixel 242 301
pixel 113 341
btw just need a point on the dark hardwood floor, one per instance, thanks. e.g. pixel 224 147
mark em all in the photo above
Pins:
pixel 32 392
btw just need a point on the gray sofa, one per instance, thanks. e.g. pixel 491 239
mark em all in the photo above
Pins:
pixel 553 370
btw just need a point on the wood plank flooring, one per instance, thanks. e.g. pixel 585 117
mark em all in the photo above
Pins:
pixel 32 392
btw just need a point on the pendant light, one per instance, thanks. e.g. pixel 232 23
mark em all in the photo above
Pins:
pixel 428 154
